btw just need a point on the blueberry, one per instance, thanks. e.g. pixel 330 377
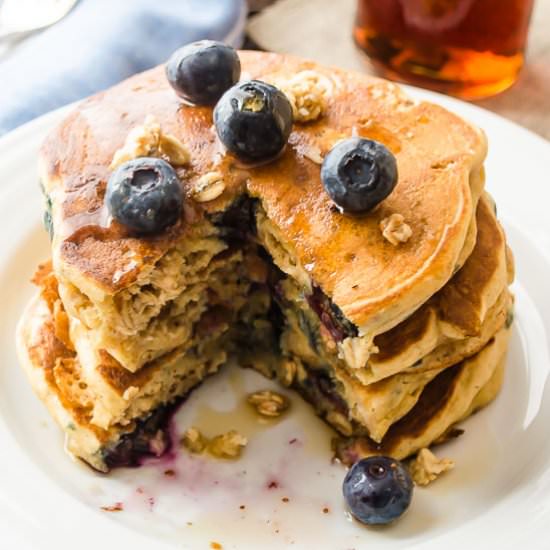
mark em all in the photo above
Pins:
pixel 358 174
pixel 377 490
pixel 201 72
pixel 145 195
pixel 253 120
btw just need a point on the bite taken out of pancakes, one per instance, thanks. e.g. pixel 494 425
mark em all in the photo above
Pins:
pixel 376 286
pixel 391 342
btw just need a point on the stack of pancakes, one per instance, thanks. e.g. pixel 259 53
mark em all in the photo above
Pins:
pixel 392 344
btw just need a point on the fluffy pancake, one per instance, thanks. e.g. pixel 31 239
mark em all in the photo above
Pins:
pixel 57 377
pixel 454 324
pixel 392 344
pixel 41 352
pixel 98 401
pixel 438 154
pixel 450 397
pixel 378 406
pixel 456 312
pixel 159 315
pixel 113 394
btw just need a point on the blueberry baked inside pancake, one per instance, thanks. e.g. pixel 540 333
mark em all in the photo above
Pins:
pixel 315 224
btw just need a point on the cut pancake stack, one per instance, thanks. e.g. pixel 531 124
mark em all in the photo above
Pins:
pixel 392 344
pixel 451 349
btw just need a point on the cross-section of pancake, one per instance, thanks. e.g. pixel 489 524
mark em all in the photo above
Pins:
pixel 158 312
pixel 450 397
pixel 118 396
pixel 87 412
pixel 454 313
pixel 379 405
pixel 117 285
pixel 57 377
pixel 483 277
pixel 52 369
pixel 432 339
pixel 369 329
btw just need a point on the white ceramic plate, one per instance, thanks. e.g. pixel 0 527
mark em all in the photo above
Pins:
pixel 497 497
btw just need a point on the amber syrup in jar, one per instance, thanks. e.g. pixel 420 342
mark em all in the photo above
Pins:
pixel 468 48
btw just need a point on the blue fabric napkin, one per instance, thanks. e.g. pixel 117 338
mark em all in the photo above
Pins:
pixel 100 43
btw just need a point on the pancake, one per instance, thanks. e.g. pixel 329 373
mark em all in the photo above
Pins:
pixel 380 405
pixel 106 403
pixel 57 377
pixel 41 353
pixel 391 342
pixel 454 324
pixel 456 312
pixel 104 271
pixel 449 398
pixel 113 394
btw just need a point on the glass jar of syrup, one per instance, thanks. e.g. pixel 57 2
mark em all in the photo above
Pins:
pixel 467 48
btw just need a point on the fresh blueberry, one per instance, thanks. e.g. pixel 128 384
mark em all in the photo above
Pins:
pixel 201 72
pixel 358 174
pixel 253 120
pixel 145 195
pixel 377 490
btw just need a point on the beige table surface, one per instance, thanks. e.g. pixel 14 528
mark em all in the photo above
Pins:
pixel 321 30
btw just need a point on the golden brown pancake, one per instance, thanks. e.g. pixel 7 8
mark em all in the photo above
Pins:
pixel 439 156
pixel 379 405
pixel 456 312
pixel 452 396
pixel 125 326
pixel 57 377
pixel 113 395
pixel 444 324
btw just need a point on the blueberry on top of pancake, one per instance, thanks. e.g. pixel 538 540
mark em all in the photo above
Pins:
pixel 202 71
pixel 253 120
pixel 144 194
pixel 358 174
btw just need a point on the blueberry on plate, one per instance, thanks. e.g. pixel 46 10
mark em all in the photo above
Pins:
pixel 358 174
pixel 145 195
pixel 377 490
pixel 201 72
pixel 253 120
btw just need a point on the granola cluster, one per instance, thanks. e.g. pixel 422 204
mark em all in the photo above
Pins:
pixel 208 187
pixel 287 372
pixel 340 423
pixel 228 445
pixel 307 92
pixel 427 467
pixel 395 230
pixel 194 441
pixel 356 351
pixel 268 403
pixel 148 140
